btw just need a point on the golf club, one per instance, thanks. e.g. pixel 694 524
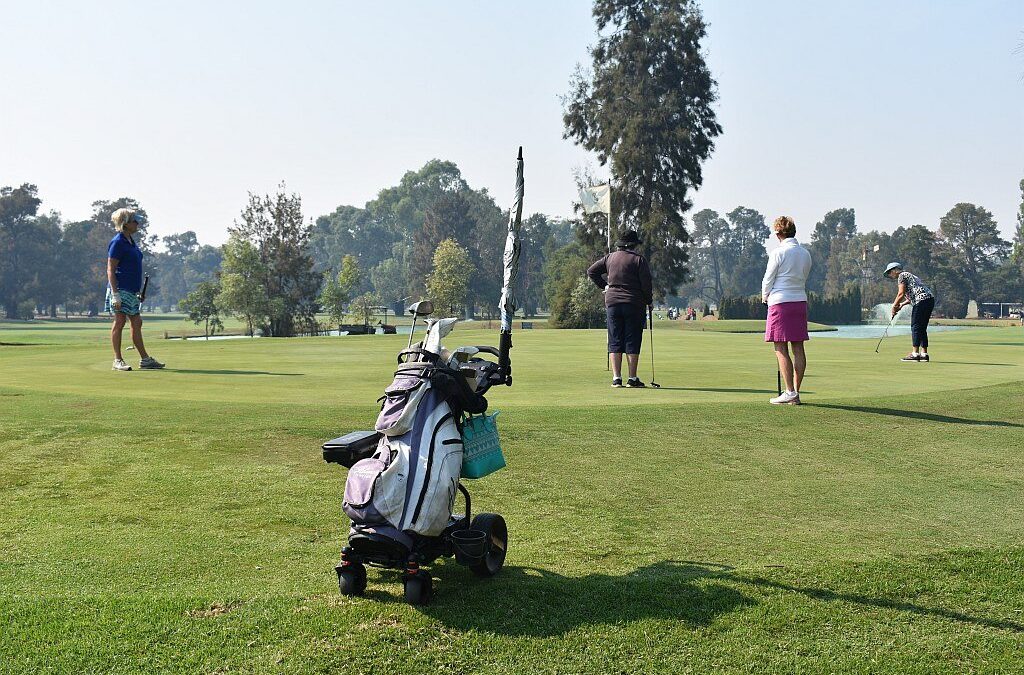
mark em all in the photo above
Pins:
pixel 650 315
pixel 891 321
pixel 418 309
pixel 778 374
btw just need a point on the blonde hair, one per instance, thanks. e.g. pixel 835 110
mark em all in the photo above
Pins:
pixel 121 217
pixel 785 226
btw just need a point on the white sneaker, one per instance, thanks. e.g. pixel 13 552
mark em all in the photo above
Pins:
pixel 119 364
pixel 787 398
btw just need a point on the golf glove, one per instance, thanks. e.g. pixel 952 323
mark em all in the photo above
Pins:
pixel 115 301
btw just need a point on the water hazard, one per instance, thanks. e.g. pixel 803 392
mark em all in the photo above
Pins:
pixel 875 330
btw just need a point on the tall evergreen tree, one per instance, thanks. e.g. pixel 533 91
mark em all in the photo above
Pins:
pixel 646 108
pixel 20 248
pixel 832 234
pixel 970 244
pixel 748 232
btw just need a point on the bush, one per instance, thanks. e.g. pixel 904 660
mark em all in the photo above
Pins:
pixel 26 310
pixel 564 271
pixel 586 307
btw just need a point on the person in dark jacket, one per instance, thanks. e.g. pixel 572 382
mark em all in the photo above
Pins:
pixel 625 278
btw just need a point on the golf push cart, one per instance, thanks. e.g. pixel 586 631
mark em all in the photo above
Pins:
pixel 404 476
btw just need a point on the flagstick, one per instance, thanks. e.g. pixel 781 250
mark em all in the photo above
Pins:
pixel 609 226
pixel 607 344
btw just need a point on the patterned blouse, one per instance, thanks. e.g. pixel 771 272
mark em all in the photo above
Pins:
pixel 916 290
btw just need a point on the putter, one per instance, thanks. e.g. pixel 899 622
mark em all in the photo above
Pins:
pixel 142 294
pixel 778 374
pixel 650 314
pixel 891 321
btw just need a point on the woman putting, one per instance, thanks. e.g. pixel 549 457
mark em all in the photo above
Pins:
pixel 784 291
pixel 124 283
pixel 912 291
pixel 625 278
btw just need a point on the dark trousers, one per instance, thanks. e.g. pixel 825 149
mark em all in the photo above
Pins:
pixel 626 323
pixel 919 322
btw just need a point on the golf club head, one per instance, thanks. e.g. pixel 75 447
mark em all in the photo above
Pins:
pixel 655 385
pixel 422 308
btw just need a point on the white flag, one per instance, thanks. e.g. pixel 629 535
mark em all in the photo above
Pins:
pixel 597 199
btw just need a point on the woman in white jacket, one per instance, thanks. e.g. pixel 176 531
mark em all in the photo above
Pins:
pixel 784 291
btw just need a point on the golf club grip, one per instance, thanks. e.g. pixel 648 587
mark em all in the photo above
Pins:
pixel 504 358
pixel 145 287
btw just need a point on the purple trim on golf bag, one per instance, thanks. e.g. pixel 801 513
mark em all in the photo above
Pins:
pixel 400 402
pixel 360 484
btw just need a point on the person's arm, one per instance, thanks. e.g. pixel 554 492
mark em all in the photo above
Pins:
pixel 112 280
pixel 597 271
pixel 900 300
pixel 769 276
pixel 646 282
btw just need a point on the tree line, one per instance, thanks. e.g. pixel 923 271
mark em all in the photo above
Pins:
pixel 48 264
pixel 432 234
pixel 964 258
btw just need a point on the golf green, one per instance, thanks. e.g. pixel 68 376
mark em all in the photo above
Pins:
pixel 183 520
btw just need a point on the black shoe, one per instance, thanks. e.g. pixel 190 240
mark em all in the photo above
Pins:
pixel 617 382
pixel 923 357
pixel 911 357
pixel 635 383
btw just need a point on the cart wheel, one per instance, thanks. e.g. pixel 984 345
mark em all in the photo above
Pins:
pixel 497 544
pixel 351 579
pixel 419 588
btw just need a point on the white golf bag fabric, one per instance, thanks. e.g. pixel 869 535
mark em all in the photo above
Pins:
pixel 416 492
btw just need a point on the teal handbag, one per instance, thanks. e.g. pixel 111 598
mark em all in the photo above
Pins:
pixel 481 451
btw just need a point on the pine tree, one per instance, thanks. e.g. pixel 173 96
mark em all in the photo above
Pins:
pixel 647 110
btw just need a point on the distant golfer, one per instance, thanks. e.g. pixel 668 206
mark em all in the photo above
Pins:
pixel 625 278
pixel 124 283
pixel 784 291
pixel 912 291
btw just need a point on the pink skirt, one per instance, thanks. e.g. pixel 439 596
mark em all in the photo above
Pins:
pixel 787 322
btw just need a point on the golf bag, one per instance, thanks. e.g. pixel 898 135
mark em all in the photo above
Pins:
pixel 409 485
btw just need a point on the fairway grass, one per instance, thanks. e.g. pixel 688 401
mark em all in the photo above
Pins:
pixel 183 521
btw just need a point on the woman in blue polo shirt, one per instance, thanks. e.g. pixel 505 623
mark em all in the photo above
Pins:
pixel 124 283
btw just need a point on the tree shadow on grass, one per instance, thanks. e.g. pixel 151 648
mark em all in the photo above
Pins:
pixel 826 595
pixel 527 601
pixel 229 372
pixel 916 414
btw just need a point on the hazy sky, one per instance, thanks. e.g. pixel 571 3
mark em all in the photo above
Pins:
pixel 899 109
